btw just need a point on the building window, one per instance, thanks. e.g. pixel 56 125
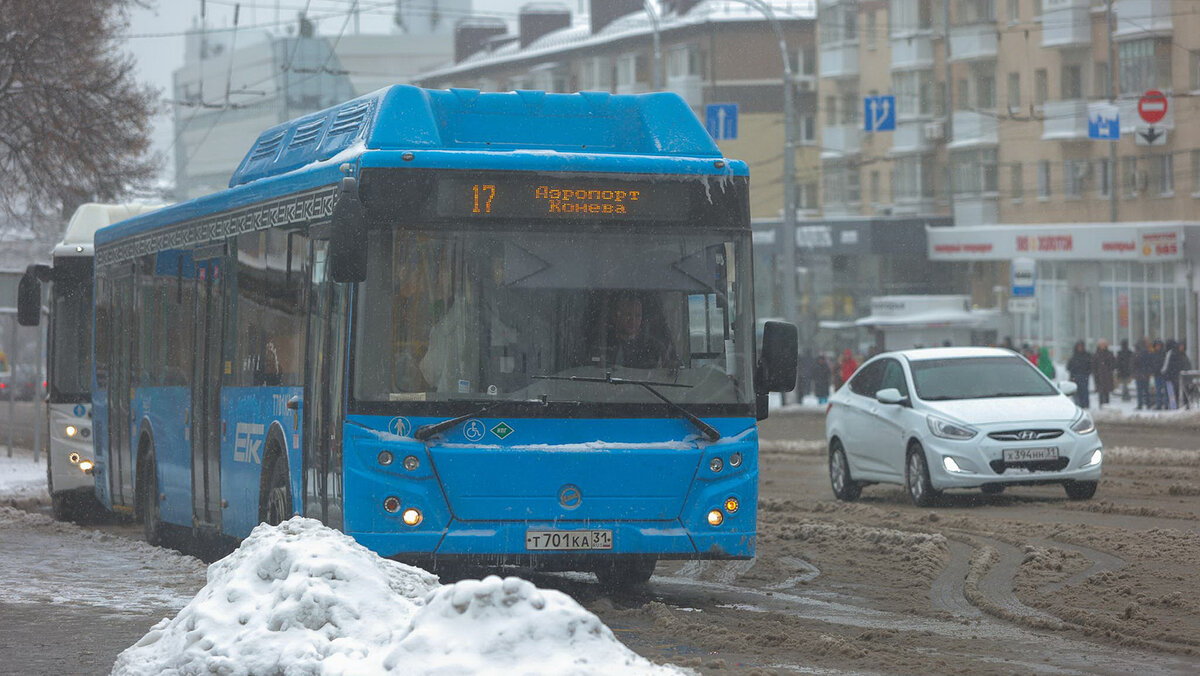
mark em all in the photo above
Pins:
pixel 685 61
pixel 850 107
pixel 838 24
pixel 806 129
pixel 1072 82
pixel 1043 179
pixel 1130 179
pixel 1017 181
pixel 1194 69
pixel 840 185
pixel 913 178
pixel 1160 178
pixel 1144 65
pixel 969 12
pixel 908 18
pixel 914 93
pixel 808 61
pixel 1103 178
pixel 1014 12
pixel 1075 172
pixel 1037 9
pixel 806 195
pixel 831 108
pixel 871 29
pixel 985 91
pixel 1014 91
pixel 963 100
pixel 974 172
pixel 876 187
pixel 596 74
pixel 1041 87
pixel 1196 173
pixel 632 70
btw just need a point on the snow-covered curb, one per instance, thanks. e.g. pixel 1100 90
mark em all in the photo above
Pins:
pixel 1177 418
pixel 301 598
pixel 22 479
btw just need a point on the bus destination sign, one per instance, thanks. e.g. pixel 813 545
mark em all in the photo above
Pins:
pixel 551 197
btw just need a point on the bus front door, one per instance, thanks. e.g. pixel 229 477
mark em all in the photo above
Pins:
pixel 209 315
pixel 323 406
pixel 122 343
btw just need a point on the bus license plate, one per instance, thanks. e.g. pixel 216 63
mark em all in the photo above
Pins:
pixel 561 540
pixel 1030 454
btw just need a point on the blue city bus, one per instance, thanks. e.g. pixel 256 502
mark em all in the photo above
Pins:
pixel 495 327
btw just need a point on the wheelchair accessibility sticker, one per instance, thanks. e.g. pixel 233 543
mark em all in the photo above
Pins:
pixel 473 430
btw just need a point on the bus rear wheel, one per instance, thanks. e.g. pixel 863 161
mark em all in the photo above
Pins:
pixel 279 493
pixel 623 574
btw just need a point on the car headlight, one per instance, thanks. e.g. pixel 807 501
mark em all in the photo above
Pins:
pixel 1083 424
pixel 948 430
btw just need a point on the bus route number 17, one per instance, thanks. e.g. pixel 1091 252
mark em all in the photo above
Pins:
pixel 484 194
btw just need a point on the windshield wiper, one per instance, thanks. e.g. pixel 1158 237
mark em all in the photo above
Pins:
pixel 709 431
pixel 424 432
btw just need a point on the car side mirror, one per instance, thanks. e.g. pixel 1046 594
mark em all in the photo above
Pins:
pixel 29 295
pixel 890 396
pixel 348 236
pixel 1067 387
pixel 777 365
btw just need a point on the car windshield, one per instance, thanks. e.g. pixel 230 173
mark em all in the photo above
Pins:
pixel 978 378
pixel 486 315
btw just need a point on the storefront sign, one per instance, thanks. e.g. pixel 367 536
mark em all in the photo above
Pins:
pixel 1084 241
pixel 1022 305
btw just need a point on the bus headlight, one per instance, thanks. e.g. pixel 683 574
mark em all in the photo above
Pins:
pixel 716 518
pixel 86 466
pixel 411 516
pixel 71 430
pixel 73 458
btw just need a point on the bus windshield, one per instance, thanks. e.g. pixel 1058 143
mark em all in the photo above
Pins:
pixel 485 314
pixel 71 330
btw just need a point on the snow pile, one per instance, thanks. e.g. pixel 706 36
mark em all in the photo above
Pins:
pixel 21 478
pixel 495 626
pixel 300 598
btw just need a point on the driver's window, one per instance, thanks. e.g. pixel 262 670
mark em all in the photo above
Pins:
pixel 893 377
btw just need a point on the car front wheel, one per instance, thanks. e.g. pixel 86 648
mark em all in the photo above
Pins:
pixel 916 478
pixel 844 488
pixel 1080 490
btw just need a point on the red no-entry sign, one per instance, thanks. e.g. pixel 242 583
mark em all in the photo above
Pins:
pixel 1152 106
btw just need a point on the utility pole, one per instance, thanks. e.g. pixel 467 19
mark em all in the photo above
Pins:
pixel 1112 100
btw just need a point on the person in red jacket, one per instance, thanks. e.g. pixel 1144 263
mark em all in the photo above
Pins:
pixel 849 365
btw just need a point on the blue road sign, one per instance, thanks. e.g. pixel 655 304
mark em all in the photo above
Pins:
pixel 1104 122
pixel 879 113
pixel 721 120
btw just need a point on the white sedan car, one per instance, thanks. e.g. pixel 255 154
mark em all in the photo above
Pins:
pixel 935 419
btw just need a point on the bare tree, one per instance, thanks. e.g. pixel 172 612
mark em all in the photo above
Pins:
pixel 74 123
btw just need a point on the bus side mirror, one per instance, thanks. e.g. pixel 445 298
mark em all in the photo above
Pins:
pixel 777 365
pixel 29 295
pixel 348 239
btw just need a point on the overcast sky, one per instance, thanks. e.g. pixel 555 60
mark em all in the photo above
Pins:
pixel 155 36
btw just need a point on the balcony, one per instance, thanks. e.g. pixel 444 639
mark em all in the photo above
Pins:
pixel 912 53
pixel 973 129
pixel 914 206
pixel 1066 23
pixel 976 209
pixel 973 42
pixel 841 140
pixel 911 136
pixel 1142 18
pixel 840 60
pixel 1064 120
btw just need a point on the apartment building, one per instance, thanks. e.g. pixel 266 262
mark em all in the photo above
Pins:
pixel 1012 166
pixel 712 52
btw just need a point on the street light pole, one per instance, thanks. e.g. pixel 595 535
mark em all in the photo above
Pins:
pixel 658 64
pixel 788 261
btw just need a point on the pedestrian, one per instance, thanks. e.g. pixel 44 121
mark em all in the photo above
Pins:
pixel 1157 357
pixel 1179 364
pixel 1044 364
pixel 848 366
pixel 1175 362
pixel 1080 368
pixel 1142 369
pixel 1103 365
pixel 804 367
pixel 820 378
pixel 1029 353
pixel 1124 368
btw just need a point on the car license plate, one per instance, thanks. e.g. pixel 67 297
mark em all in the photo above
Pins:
pixel 1030 454
pixel 561 540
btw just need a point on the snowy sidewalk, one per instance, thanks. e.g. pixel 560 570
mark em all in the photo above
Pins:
pixel 22 480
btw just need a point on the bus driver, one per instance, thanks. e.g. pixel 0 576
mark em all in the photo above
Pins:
pixel 629 343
